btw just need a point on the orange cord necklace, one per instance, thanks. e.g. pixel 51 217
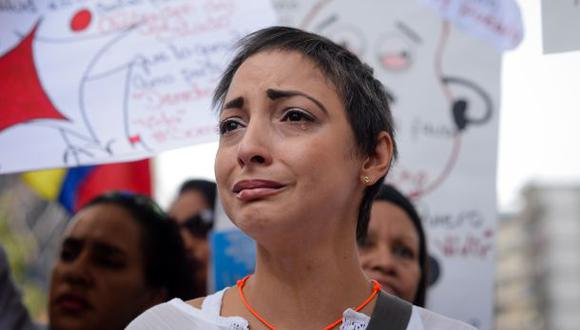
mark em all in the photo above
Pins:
pixel 240 284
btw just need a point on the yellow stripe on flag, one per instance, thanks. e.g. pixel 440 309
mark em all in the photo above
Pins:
pixel 46 183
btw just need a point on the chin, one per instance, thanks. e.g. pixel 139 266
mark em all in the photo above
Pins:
pixel 66 323
pixel 263 224
pixel 252 223
pixel 257 212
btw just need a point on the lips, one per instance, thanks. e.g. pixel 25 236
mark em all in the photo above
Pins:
pixel 72 303
pixel 249 190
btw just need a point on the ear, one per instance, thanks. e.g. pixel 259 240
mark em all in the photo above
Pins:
pixel 377 164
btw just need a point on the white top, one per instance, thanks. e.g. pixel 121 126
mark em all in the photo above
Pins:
pixel 178 315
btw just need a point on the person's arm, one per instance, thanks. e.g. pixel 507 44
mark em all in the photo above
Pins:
pixel 13 314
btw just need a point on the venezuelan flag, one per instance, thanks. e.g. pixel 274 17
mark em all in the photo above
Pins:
pixel 76 186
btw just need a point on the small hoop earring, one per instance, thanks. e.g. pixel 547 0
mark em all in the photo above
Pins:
pixel 365 179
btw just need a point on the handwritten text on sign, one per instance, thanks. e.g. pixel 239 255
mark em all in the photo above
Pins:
pixel 94 81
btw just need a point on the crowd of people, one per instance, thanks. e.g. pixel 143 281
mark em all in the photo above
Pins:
pixel 114 256
pixel 297 111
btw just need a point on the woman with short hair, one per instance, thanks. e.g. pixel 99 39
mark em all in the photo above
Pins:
pixel 306 138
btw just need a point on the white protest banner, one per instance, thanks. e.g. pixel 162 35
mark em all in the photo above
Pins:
pixel 499 21
pixel 444 84
pixel 94 81
pixel 560 25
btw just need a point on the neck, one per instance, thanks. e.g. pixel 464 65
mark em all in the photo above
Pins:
pixel 302 264
pixel 308 285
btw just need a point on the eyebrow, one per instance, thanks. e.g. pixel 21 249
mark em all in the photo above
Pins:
pixel 408 32
pixel 100 247
pixel 409 239
pixel 274 94
pixel 109 249
pixel 69 241
pixel 236 103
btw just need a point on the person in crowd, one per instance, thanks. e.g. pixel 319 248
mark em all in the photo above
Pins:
pixel 120 255
pixel 194 196
pixel 13 314
pixel 394 251
pixel 193 210
pixel 299 116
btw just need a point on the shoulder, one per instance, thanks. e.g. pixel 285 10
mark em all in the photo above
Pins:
pixel 200 313
pixel 422 318
pixel 196 303
pixel 162 316
pixel 174 314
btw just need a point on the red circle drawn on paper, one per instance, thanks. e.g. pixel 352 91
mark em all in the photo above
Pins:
pixel 81 20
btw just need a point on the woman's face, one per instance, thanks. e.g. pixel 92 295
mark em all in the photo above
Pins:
pixel 187 205
pixel 287 158
pixel 390 253
pixel 98 281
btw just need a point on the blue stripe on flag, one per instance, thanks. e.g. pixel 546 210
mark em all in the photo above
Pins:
pixel 71 184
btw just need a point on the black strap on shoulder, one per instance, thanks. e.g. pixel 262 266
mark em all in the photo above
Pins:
pixel 391 313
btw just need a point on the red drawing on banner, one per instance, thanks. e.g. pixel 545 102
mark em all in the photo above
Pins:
pixel 475 246
pixel 23 98
pixel 81 20
pixel 135 138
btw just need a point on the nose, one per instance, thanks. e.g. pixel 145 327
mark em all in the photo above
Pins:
pixel 382 260
pixel 254 147
pixel 78 271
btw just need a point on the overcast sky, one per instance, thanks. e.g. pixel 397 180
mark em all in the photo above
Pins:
pixel 539 123
pixel 540 114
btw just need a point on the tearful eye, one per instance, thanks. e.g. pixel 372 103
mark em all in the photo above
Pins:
pixel 295 115
pixel 229 125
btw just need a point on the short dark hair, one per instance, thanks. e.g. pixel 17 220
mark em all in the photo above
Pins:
pixel 205 187
pixel 166 265
pixel 388 193
pixel 364 97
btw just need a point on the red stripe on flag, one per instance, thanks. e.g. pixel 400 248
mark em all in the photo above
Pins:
pixel 131 176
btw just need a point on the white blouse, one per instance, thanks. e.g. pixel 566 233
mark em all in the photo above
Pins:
pixel 178 315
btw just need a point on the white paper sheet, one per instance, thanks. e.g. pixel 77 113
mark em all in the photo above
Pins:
pixel 95 81
pixel 560 25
